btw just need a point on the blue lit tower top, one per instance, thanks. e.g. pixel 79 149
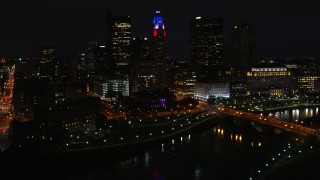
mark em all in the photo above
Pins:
pixel 158 49
pixel 158 25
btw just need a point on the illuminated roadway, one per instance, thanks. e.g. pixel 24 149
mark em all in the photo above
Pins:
pixel 287 126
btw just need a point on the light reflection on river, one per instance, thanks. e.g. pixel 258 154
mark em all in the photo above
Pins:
pixel 3 141
pixel 231 150
pixel 227 151
pixel 295 114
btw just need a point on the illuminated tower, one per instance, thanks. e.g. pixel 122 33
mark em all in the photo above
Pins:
pixel 158 50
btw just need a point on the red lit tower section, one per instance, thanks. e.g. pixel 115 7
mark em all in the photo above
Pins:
pixel 158 50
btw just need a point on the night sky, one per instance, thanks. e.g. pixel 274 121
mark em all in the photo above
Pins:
pixel 284 28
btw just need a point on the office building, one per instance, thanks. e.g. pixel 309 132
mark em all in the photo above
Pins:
pixel 103 85
pixel 91 56
pixel 47 55
pixel 118 39
pixel 184 81
pixel 203 91
pixel 266 81
pixel 143 76
pixel 206 47
pixel 243 44
pixel 307 83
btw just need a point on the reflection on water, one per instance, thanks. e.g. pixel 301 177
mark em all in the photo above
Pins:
pixel 295 114
pixel 226 151
pixel 147 159
pixel 3 142
pixel 237 138
pixel 197 172
pixel 162 148
pixel 136 161
pixel 219 131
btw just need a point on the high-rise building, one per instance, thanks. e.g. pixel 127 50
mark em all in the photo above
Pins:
pixel 206 46
pixel 140 50
pixel 159 35
pixel 101 64
pixel 243 44
pixel 104 66
pixel 240 55
pixel 307 83
pixel 118 38
pixel 48 64
pixel 143 76
pixel 78 67
pixel 47 55
pixel 91 56
pixel 184 81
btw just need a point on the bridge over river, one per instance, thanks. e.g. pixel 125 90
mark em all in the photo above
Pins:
pixel 287 126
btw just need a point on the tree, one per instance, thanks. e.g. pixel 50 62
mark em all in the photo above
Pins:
pixel 212 100
pixel 188 101
pixel 111 93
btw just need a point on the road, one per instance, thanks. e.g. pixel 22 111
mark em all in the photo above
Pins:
pixel 111 113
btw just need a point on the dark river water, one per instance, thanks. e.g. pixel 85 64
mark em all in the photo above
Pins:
pixel 231 150
pixel 295 114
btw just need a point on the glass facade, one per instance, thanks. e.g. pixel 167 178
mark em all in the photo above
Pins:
pixel 205 90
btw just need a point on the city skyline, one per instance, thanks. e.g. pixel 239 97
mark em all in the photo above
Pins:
pixel 141 90
pixel 283 28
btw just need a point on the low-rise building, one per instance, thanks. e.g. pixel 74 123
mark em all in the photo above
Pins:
pixel 205 90
pixel 269 81
pixel 103 85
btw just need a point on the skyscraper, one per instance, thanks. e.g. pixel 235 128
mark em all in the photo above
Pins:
pixel 91 57
pixel 104 66
pixel 118 38
pixel 241 55
pixel 47 66
pixel 143 76
pixel 159 34
pixel 206 46
pixel 47 55
pixel 243 44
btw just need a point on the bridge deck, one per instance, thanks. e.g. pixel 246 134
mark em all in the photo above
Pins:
pixel 287 126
